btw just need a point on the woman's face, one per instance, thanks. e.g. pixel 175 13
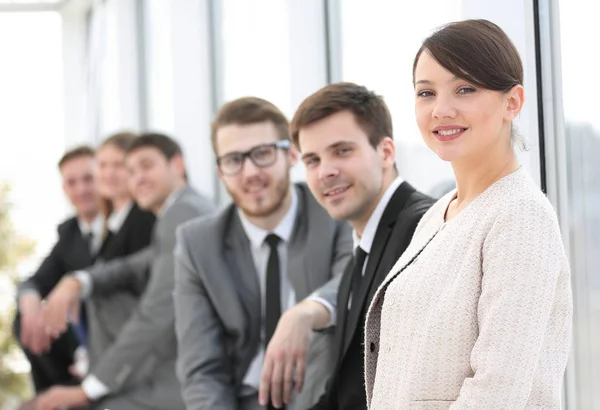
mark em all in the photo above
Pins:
pixel 457 119
pixel 111 174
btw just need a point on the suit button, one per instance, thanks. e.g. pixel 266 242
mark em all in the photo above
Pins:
pixel 372 347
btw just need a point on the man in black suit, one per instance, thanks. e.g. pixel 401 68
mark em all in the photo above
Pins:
pixel 79 237
pixel 344 133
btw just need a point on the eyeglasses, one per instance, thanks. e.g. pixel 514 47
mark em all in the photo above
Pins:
pixel 262 156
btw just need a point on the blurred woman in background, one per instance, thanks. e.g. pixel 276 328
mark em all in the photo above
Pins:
pixel 127 229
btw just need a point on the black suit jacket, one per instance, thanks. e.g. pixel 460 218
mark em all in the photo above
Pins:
pixel 135 234
pixel 72 253
pixel 345 389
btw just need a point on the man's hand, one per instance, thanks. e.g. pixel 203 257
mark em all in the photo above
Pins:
pixel 62 305
pixel 61 397
pixel 33 330
pixel 285 357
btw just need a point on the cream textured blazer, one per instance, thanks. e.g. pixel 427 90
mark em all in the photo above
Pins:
pixel 481 317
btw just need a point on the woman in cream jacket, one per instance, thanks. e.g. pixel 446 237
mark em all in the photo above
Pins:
pixel 477 312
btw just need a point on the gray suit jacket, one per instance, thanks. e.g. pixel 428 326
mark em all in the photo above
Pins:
pixel 218 301
pixel 140 362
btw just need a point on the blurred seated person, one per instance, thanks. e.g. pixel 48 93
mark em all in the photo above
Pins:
pixel 78 238
pixel 137 370
pixel 118 228
pixel 127 229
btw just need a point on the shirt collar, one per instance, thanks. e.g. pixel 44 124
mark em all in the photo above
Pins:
pixel 368 236
pixel 116 219
pixel 94 227
pixel 173 196
pixel 284 229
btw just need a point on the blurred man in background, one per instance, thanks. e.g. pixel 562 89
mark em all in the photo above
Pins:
pixel 79 237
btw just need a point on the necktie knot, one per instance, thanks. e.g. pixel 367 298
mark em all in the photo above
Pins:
pixel 272 240
pixel 357 270
pixel 89 239
pixel 359 257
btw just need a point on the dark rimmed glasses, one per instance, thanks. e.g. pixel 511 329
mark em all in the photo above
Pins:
pixel 262 156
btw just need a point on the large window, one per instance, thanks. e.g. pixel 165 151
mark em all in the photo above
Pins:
pixel 158 66
pixel 273 49
pixel 256 51
pixel 112 68
pixel 31 128
pixel 379 40
pixel 580 90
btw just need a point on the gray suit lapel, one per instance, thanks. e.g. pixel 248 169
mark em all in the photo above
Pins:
pixel 242 268
pixel 296 269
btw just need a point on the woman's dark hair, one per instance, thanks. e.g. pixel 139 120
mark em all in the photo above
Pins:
pixel 479 52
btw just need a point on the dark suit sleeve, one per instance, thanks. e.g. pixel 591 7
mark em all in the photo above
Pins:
pixel 152 323
pixel 141 234
pixel 51 270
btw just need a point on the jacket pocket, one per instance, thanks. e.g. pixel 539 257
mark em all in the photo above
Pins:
pixel 430 404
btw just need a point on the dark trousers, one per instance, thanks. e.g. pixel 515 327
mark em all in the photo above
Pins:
pixel 51 368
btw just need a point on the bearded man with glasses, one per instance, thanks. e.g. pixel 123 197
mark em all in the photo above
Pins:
pixel 239 271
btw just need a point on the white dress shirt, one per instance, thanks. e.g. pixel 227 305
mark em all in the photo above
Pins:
pixel 260 254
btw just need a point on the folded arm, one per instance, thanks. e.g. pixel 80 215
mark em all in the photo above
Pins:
pixel 151 325
pixel 129 272
pixel 286 356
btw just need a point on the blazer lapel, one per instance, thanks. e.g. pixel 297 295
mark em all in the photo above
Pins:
pixel 382 235
pixel 109 242
pixel 297 269
pixel 113 242
pixel 341 343
pixel 242 270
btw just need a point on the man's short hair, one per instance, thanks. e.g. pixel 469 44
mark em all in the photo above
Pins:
pixel 166 145
pixel 370 111
pixel 81 151
pixel 249 110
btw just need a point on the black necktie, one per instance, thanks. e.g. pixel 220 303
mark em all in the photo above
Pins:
pixel 359 260
pixel 273 305
pixel 273 299
pixel 89 239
